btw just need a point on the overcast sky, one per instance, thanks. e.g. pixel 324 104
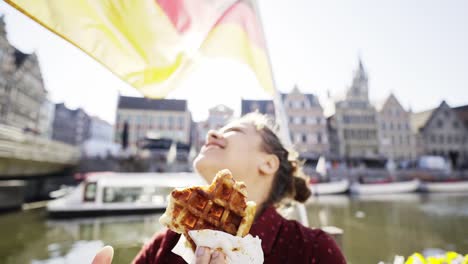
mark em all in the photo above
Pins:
pixel 417 49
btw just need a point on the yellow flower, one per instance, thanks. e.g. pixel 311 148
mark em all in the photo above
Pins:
pixel 416 258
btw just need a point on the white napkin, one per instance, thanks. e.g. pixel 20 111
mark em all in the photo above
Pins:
pixel 246 249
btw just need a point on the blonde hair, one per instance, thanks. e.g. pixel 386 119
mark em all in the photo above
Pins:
pixel 290 181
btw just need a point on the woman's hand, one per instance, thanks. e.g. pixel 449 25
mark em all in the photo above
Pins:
pixel 104 256
pixel 204 255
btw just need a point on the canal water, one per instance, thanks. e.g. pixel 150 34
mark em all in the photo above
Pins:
pixel 375 228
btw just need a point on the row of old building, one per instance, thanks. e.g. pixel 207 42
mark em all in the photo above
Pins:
pixel 357 129
pixel 360 130
pixel 24 104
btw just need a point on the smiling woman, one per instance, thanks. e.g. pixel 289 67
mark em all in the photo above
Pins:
pixel 250 149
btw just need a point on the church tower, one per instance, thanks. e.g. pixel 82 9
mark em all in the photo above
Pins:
pixel 359 90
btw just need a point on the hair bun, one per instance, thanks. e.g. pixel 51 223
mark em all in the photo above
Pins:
pixel 302 191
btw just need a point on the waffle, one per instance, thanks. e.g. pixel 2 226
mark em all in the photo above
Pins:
pixel 220 206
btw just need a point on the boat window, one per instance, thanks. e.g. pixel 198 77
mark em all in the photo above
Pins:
pixel 147 194
pixel 90 192
pixel 121 194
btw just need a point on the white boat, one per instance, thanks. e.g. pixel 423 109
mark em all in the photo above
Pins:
pixel 334 200
pixel 334 187
pixel 108 193
pixel 384 188
pixel 455 186
pixel 408 198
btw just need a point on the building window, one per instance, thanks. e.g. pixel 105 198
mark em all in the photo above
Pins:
pixel 391 126
pixel 455 124
pixel 383 126
pixel 319 138
pixel 440 124
pixel 304 138
pixel 441 139
pixel 181 122
pixel 297 120
pixel 304 120
pixel 346 119
pixel 161 121
pixel 319 120
pixel 298 138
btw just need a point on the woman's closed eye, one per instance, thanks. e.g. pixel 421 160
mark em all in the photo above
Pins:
pixel 233 129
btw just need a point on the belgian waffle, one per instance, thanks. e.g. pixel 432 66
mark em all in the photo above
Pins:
pixel 220 206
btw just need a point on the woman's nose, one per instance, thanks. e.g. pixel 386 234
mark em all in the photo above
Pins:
pixel 213 134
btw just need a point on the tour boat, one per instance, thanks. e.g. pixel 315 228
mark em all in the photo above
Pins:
pixel 108 193
pixel 384 187
pixel 445 186
pixel 333 187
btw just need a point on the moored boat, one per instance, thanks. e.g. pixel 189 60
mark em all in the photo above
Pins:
pixel 333 187
pixel 445 186
pixel 384 187
pixel 110 193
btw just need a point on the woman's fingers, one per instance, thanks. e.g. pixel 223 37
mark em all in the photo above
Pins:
pixel 202 255
pixel 104 256
pixel 218 257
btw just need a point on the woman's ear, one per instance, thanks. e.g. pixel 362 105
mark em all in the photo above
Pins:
pixel 269 164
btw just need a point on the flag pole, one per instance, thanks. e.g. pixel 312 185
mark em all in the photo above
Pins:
pixel 280 113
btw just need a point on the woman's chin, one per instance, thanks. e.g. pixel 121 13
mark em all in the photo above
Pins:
pixel 206 167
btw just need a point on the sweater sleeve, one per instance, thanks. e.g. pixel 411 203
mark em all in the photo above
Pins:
pixel 327 251
pixel 148 252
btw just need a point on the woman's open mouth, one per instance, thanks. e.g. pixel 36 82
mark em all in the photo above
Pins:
pixel 211 146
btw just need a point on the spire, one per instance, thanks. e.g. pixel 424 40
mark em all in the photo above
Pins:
pixel 295 89
pixel 361 72
pixel 359 86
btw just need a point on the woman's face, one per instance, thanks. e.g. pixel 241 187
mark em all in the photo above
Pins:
pixel 237 147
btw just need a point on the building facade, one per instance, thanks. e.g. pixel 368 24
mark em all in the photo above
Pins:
pixel 462 112
pixel 218 116
pixel 101 139
pixel 46 119
pixel 441 132
pixel 355 121
pixel 22 91
pixel 266 107
pixel 152 118
pixel 306 122
pixel 70 126
pixel 395 137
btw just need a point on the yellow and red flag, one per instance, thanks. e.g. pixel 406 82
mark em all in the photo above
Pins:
pixel 153 44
